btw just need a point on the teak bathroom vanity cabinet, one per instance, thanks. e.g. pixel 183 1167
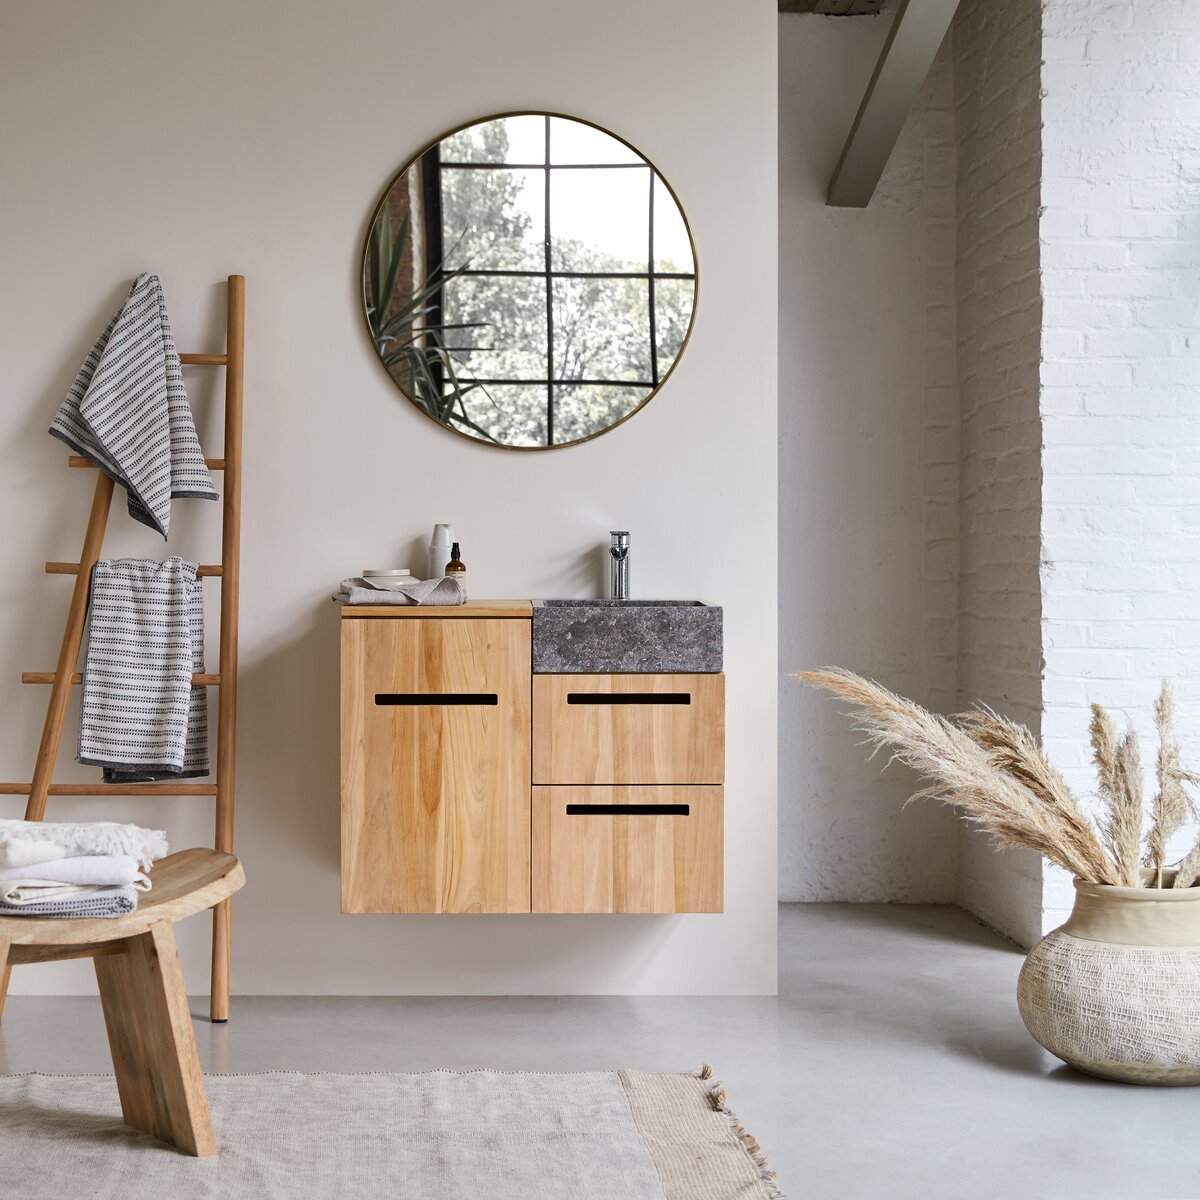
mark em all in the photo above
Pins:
pixel 472 785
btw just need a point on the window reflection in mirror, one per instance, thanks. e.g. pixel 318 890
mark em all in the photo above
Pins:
pixel 529 281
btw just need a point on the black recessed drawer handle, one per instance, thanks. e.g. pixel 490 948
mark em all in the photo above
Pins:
pixel 629 810
pixel 412 698
pixel 629 697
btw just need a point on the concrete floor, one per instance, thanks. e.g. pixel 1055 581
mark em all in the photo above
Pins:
pixel 893 1063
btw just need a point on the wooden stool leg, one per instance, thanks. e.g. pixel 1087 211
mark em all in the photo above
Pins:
pixel 218 1003
pixel 153 1047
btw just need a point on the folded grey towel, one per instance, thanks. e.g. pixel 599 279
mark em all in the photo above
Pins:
pixel 128 411
pixel 445 591
pixel 89 902
pixel 140 718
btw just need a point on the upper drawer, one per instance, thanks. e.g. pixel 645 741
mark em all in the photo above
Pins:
pixel 628 729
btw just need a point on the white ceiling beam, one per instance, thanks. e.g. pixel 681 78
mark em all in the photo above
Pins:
pixel 912 42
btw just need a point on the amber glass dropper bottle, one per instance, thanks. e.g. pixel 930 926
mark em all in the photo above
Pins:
pixel 455 568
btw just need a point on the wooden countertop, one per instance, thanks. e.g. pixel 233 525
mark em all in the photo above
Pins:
pixel 519 609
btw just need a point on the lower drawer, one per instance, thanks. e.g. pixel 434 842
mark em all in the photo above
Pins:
pixel 628 849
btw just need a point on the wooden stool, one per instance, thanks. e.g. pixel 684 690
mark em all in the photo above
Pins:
pixel 141 989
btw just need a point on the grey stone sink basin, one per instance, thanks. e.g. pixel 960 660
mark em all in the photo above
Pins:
pixel 613 637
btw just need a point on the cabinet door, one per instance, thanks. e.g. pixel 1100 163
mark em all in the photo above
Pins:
pixel 628 849
pixel 628 729
pixel 435 765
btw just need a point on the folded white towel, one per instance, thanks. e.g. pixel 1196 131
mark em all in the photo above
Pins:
pixel 25 843
pixel 19 892
pixel 91 869
pixel 25 852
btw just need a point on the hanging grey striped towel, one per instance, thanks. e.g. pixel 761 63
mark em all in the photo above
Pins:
pixel 128 411
pixel 140 718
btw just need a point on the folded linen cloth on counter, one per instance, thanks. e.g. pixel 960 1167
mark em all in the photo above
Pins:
pixel 86 902
pixel 128 411
pixel 20 893
pixel 445 591
pixel 140 718
pixel 442 591
pixel 27 843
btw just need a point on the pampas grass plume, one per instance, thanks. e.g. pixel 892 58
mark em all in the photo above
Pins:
pixel 996 773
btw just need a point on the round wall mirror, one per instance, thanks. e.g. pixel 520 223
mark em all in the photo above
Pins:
pixel 529 280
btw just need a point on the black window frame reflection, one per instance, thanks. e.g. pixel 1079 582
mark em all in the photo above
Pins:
pixel 432 167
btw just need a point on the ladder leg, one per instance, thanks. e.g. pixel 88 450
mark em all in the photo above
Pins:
pixel 68 654
pixel 231 519
pixel 218 1001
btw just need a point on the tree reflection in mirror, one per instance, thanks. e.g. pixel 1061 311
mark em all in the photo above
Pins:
pixel 529 280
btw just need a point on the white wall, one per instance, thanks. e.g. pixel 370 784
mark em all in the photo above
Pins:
pixel 1078 491
pixel 1121 361
pixel 254 137
pixel 997 57
pixel 868 466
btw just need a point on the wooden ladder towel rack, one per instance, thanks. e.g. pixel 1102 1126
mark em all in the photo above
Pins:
pixel 65 675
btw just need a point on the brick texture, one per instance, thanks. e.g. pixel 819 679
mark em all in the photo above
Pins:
pixel 1019 523
pixel 868 468
pixel 999 317
pixel 1120 368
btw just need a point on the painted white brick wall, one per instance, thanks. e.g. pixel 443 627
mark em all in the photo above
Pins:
pixel 1028 532
pixel 868 467
pixel 1120 237
pixel 999 314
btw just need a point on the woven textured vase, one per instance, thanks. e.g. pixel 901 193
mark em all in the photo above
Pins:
pixel 1115 991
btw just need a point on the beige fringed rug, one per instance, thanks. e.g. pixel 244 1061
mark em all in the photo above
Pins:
pixel 477 1135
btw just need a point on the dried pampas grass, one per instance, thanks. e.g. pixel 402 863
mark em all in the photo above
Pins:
pixel 1171 804
pixel 1013 750
pixel 961 772
pixel 1123 823
pixel 1187 874
pixel 1118 821
pixel 995 772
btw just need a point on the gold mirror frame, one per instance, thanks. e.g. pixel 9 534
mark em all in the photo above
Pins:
pixel 412 161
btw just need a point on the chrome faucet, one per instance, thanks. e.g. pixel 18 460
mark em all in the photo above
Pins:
pixel 618 574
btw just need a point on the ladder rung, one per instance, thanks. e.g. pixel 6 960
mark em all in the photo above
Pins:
pixel 48 677
pixel 182 788
pixel 204 360
pixel 77 460
pixel 65 568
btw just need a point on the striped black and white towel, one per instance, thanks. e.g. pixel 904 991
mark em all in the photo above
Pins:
pixel 115 901
pixel 140 718
pixel 128 411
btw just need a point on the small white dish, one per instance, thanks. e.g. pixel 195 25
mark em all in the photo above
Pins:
pixel 390 579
